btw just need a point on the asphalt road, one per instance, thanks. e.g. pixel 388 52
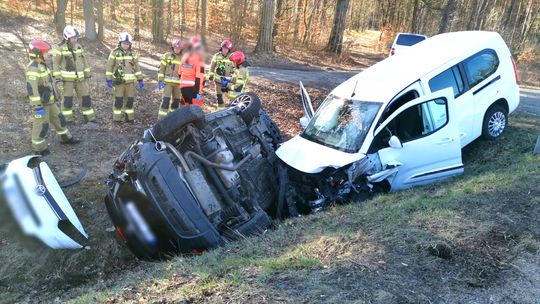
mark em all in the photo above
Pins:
pixel 529 102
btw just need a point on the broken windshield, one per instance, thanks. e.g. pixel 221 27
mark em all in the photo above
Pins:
pixel 341 123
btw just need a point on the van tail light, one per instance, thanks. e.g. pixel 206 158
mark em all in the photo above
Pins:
pixel 392 51
pixel 515 69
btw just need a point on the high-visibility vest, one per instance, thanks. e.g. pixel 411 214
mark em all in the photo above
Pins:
pixel 168 68
pixel 123 66
pixel 192 71
pixel 69 63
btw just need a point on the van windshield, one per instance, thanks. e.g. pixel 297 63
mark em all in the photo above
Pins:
pixel 409 40
pixel 342 123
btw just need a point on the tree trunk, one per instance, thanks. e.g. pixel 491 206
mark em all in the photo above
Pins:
pixel 335 43
pixel 157 21
pixel 447 15
pixel 60 16
pixel 298 12
pixel 169 17
pixel 196 16
pixel 414 23
pixel 203 20
pixel 279 14
pixel 100 21
pixel 112 10
pixel 183 19
pixel 89 21
pixel 137 32
pixel 264 42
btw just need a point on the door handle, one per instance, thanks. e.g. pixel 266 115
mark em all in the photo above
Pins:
pixel 445 141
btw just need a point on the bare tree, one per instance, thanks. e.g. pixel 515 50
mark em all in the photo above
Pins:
pixel 136 11
pixel 112 9
pixel 183 19
pixel 89 20
pixel 203 20
pixel 100 21
pixel 157 21
pixel 60 16
pixel 335 43
pixel 264 42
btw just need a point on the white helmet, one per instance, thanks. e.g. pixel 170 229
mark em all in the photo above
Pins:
pixel 70 32
pixel 125 37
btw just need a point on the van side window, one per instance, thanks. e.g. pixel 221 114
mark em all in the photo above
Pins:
pixel 450 78
pixel 396 104
pixel 480 66
pixel 415 122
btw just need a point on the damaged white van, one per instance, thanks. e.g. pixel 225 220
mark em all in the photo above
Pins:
pixel 403 121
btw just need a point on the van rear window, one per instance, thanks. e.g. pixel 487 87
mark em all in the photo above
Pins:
pixel 450 78
pixel 409 40
pixel 480 66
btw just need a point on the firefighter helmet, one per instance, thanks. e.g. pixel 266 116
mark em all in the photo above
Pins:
pixel 226 44
pixel 125 37
pixel 70 32
pixel 38 48
pixel 177 44
pixel 238 57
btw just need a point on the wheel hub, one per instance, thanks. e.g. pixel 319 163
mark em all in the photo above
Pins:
pixel 496 124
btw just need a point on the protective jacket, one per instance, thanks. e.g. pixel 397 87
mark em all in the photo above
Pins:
pixel 192 72
pixel 168 68
pixel 39 84
pixel 221 65
pixel 69 63
pixel 123 67
pixel 238 82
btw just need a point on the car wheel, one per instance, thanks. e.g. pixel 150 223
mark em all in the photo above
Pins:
pixel 169 127
pixel 272 128
pixel 249 105
pixel 257 224
pixel 495 122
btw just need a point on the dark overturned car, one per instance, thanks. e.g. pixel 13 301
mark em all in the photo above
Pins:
pixel 196 181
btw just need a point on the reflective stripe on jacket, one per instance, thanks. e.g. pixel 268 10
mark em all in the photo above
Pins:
pixel 69 63
pixel 39 86
pixel 239 79
pixel 221 65
pixel 124 66
pixel 168 68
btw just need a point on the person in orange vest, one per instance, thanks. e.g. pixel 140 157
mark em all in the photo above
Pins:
pixel 191 72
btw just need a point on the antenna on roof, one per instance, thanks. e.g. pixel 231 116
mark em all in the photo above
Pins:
pixel 354 90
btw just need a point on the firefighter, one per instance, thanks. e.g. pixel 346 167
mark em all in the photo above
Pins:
pixel 71 70
pixel 122 72
pixel 39 85
pixel 239 81
pixel 169 80
pixel 221 67
pixel 192 73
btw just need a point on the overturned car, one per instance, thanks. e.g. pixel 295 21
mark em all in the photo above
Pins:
pixel 194 182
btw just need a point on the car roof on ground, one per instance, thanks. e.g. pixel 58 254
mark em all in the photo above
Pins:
pixel 384 80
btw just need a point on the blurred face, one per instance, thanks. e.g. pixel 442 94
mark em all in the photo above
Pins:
pixel 46 56
pixel 125 45
pixel 224 51
pixel 73 40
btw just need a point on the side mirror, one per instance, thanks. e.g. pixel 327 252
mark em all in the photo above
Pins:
pixel 304 121
pixel 395 143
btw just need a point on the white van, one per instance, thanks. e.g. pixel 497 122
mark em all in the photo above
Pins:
pixel 404 41
pixel 403 121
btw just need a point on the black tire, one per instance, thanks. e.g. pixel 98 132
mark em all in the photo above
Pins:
pixel 249 105
pixel 272 128
pixel 495 122
pixel 257 224
pixel 169 127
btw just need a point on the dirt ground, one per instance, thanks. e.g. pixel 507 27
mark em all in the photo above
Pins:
pixel 368 255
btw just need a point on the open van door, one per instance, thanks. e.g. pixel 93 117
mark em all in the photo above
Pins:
pixel 423 141
pixel 306 102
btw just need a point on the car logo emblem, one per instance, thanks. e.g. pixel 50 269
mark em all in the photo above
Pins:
pixel 40 190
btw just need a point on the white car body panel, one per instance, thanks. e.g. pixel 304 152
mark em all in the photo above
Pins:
pixel 429 158
pixel 400 48
pixel 32 209
pixel 310 157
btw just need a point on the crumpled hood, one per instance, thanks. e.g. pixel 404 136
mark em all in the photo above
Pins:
pixel 311 157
